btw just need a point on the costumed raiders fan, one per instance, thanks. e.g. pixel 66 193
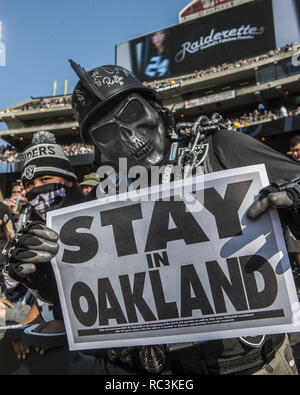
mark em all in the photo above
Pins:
pixel 125 119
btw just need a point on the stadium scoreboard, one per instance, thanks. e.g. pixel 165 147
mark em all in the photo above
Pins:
pixel 240 32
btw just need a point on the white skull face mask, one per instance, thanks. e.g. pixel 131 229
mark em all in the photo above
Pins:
pixel 132 129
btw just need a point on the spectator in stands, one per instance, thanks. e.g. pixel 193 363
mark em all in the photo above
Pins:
pixel 17 202
pixel 271 115
pixel 17 190
pixel 261 108
pixel 90 181
pixel 283 111
pixel 295 148
pixel 228 124
pixel 9 313
pixel 6 229
pixel 236 124
pixel 256 115
pixel 9 155
pixel 293 244
pixel 13 290
pixel 40 187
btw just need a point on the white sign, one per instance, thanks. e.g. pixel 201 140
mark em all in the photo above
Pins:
pixel 188 267
pixel 216 97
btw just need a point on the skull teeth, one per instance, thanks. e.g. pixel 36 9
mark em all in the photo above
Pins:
pixel 144 150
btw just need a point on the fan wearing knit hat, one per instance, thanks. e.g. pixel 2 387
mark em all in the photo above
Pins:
pixel 44 156
pixel 50 183
pixel 47 174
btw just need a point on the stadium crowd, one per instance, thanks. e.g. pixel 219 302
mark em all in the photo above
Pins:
pixel 42 104
pixel 78 149
pixel 158 84
pixel 53 102
pixel 233 122
pixel 258 116
pixel 59 101
pixel 10 154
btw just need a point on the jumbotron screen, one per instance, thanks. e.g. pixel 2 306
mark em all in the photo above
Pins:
pixel 238 33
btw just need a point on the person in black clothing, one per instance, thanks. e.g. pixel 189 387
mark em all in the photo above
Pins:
pixel 125 119
pixel 6 231
pixel 14 291
pixel 128 121
pixel 50 183
pixel 293 243
pixel 17 208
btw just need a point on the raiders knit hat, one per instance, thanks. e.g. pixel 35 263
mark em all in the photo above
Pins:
pixel 44 156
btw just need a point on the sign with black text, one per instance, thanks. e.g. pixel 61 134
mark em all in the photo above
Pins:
pixel 174 263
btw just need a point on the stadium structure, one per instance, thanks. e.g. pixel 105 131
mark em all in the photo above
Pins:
pixel 231 57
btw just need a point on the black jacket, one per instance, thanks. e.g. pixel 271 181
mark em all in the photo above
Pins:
pixel 228 150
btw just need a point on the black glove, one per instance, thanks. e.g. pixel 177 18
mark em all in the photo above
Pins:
pixel 151 359
pixel 281 194
pixel 28 257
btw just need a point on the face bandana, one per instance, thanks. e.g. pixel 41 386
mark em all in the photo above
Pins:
pixel 46 198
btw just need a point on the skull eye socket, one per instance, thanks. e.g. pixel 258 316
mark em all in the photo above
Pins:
pixel 132 112
pixel 104 133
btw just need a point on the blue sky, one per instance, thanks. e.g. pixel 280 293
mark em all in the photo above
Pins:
pixel 40 36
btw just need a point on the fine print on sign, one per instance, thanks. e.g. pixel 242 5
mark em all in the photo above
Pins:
pixel 175 263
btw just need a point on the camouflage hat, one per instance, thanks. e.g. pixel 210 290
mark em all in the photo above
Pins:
pixel 91 179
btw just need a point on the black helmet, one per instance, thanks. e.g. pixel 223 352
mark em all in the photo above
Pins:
pixel 99 87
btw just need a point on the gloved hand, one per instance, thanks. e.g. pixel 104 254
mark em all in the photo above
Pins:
pixel 33 244
pixel 151 359
pixel 281 194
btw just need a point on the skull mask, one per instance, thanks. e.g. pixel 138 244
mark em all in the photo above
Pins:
pixel 131 129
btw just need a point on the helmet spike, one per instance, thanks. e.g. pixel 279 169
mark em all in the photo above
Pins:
pixel 86 79
pixel 100 88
